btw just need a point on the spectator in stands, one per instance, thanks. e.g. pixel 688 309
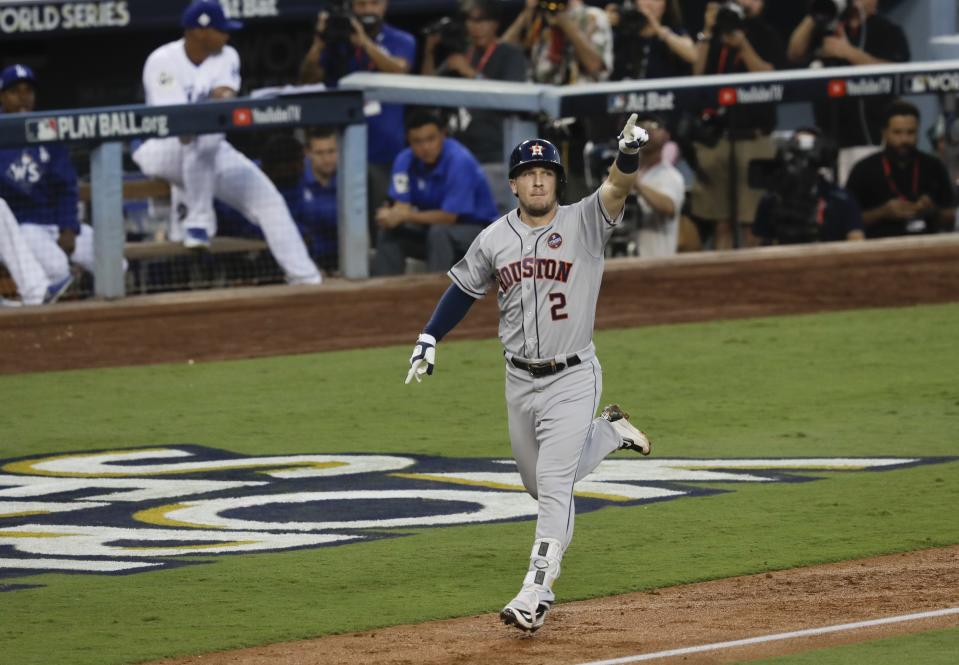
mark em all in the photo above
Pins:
pixel 441 200
pixel 856 35
pixel 194 69
pixel 571 45
pixel 367 43
pixel 735 39
pixel 788 214
pixel 901 190
pixel 649 40
pixel 39 185
pixel 486 57
pixel 317 206
pixel 660 191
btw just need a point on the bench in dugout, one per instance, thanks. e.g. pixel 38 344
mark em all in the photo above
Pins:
pixel 157 264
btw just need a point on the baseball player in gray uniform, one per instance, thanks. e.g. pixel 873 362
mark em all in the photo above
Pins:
pixel 546 263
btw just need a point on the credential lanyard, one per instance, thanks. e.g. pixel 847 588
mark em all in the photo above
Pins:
pixel 481 65
pixel 887 170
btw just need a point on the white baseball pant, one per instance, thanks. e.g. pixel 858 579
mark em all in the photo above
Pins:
pixel 209 167
pixel 15 253
pixel 42 240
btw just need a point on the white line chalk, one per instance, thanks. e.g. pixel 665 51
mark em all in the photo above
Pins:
pixel 809 632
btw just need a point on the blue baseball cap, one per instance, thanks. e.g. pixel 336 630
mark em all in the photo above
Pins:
pixel 208 14
pixel 13 74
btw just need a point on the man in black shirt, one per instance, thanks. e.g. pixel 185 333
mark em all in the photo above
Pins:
pixel 735 39
pixel 485 57
pixel 901 190
pixel 860 37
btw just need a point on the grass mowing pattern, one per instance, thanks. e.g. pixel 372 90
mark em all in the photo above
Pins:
pixel 869 383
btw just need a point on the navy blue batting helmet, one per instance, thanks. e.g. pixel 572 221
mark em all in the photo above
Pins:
pixel 536 152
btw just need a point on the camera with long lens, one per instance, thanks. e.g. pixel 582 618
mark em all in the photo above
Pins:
pixel 553 6
pixel 826 16
pixel 631 20
pixel 339 24
pixel 629 56
pixel 452 34
pixel 730 18
pixel 792 178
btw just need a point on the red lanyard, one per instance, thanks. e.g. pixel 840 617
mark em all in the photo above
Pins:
pixel 486 56
pixel 887 169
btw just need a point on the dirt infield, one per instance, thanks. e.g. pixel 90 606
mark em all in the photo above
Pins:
pixel 243 323
pixel 645 623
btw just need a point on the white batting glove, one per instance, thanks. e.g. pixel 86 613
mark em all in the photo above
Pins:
pixel 423 358
pixel 632 138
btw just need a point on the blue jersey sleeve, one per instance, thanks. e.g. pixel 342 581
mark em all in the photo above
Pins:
pixel 459 195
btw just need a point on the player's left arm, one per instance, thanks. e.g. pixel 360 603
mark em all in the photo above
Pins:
pixel 622 174
pixel 65 193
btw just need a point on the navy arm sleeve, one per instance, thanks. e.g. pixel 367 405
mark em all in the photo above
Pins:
pixel 450 310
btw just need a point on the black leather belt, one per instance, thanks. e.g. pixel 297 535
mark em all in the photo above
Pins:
pixel 545 368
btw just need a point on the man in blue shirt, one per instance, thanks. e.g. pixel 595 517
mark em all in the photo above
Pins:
pixel 39 184
pixel 317 206
pixel 369 45
pixel 441 201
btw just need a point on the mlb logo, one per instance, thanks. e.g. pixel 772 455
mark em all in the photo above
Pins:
pixel 616 103
pixel 44 129
pixel 916 84
pixel 242 117
pixel 554 241
pixel 727 96
pixel 836 88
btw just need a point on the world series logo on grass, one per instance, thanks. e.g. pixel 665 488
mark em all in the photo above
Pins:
pixel 134 510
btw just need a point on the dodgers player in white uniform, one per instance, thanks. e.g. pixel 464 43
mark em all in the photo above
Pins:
pixel 546 263
pixel 196 68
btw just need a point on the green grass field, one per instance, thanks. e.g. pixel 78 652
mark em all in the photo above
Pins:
pixel 868 383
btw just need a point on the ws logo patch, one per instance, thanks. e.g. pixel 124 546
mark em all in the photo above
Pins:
pixel 135 510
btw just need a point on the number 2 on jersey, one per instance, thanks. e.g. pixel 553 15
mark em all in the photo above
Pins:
pixel 559 303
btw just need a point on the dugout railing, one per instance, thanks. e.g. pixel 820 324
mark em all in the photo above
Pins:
pixel 522 103
pixel 107 129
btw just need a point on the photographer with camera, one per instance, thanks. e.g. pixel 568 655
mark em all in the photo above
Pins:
pixel 839 33
pixel 567 42
pixel 803 205
pixel 903 191
pixel 351 37
pixel 484 57
pixel 735 39
pixel 649 40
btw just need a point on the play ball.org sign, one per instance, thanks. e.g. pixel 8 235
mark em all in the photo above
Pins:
pixel 126 511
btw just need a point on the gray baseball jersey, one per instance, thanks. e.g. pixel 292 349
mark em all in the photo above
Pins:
pixel 548 281
pixel 548 278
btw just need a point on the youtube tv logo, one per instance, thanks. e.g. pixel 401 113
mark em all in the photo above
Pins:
pixel 727 96
pixel 836 88
pixel 242 117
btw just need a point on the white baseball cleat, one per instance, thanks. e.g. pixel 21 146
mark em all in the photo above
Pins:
pixel 633 439
pixel 519 612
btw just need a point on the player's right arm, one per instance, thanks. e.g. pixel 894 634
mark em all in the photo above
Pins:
pixel 622 174
pixel 160 84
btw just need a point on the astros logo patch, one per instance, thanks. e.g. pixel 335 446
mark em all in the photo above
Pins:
pixel 148 509
pixel 536 150
pixel 554 240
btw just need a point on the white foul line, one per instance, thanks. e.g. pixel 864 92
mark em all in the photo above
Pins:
pixel 778 636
